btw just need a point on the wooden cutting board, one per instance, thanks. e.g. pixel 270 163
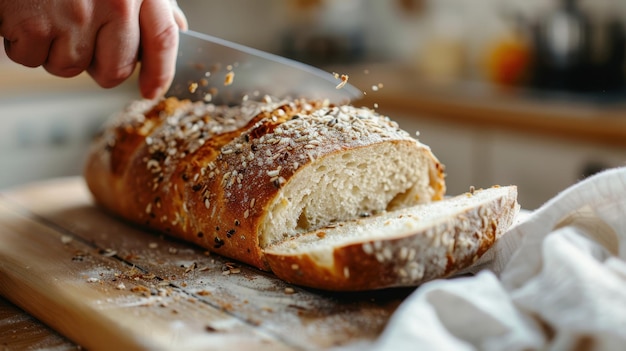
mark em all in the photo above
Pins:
pixel 106 284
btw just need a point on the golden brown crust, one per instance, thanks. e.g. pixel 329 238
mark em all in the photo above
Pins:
pixel 207 174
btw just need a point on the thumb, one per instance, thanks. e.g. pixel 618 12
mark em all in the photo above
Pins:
pixel 179 16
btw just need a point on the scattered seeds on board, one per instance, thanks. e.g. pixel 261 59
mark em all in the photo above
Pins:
pixel 108 252
pixel 66 239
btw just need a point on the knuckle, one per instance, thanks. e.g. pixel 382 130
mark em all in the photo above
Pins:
pixel 63 65
pixel 28 36
pixel 119 8
pixel 34 30
pixel 78 12
pixel 167 39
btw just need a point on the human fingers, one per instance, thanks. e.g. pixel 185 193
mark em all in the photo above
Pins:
pixel 71 51
pixel 116 45
pixel 28 41
pixel 70 54
pixel 159 47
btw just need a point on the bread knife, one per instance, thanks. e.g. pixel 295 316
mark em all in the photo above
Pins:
pixel 222 72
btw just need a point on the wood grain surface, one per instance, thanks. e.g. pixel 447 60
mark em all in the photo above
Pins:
pixel 20 331
pixel 105 284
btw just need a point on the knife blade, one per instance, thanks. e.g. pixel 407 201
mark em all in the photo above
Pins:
pixel 222 72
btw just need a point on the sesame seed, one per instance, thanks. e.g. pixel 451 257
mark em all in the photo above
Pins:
pixel 404 253
pixel 378 245
pixel 379 257
pixel 367 248
pixel 411 255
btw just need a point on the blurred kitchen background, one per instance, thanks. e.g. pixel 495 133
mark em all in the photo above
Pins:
pixel 526 92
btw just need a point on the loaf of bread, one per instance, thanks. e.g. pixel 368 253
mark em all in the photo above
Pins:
pixel 255 182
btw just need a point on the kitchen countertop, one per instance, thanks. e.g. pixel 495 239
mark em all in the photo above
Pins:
pixel 580 118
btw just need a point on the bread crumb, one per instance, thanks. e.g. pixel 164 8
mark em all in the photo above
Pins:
pixel 153 245
pixel 120 286
pixel 230 76
pixel 193 87
pixel 92 280
pixel 344 80
pixel 140 289
pixel 66 239
pixel 289 291
pixel 108 252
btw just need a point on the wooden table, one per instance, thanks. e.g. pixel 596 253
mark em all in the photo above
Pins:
pixel 104 284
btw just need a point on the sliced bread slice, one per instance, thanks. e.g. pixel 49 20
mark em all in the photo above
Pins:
pixel 405 247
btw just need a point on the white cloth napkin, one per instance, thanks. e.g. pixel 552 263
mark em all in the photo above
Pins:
pixel 555 281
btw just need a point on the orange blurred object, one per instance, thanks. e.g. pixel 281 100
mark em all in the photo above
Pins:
pixel 508 60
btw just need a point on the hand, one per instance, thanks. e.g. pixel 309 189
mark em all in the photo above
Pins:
pixel 106 38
